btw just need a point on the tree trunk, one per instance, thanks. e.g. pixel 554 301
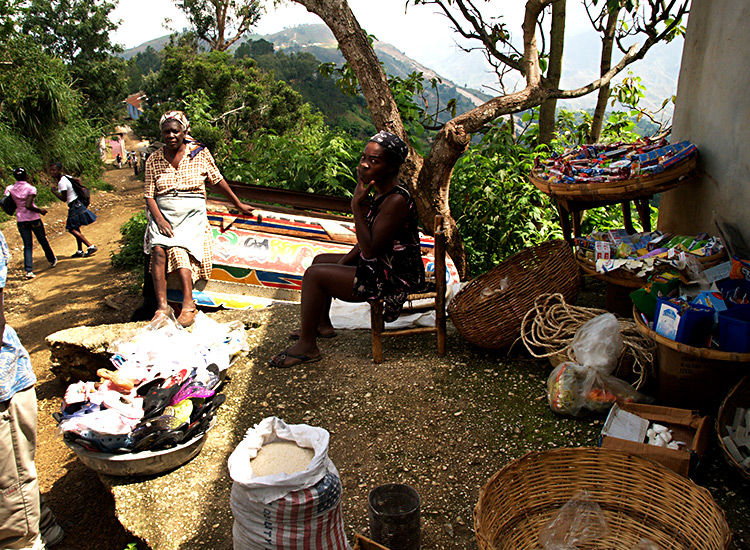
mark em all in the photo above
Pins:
pixel 548 109
pixel 429 179
pixel 597 121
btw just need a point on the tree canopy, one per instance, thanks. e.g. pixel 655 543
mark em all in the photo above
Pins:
pixel 78 33
pixel 214 20
pixel 536 59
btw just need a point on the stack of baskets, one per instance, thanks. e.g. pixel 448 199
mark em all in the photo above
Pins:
pixel 639 499
pixel 488 311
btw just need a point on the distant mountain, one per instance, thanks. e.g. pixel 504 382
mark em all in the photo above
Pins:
pixel 467 76
pixel 320 42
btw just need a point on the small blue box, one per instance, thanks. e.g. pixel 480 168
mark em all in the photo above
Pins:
pixel 689 325
pixel 734 329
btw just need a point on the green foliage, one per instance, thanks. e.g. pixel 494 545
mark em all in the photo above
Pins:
pixel 497 210
pixel 228 100
pixel 311 158
pixel 304 72
pixel 41 116
pixel 77 32
pixel 211 19
pixel 130 256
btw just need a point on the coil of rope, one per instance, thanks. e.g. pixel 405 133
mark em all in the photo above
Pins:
pixel 552 324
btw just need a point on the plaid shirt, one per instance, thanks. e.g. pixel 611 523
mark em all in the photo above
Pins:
pixel 196 168
pixel 16 373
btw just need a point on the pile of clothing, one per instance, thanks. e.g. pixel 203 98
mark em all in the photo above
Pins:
pixel 162 390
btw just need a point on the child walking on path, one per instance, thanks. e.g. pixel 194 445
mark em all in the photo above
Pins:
pixel 29 221
pixel 78 214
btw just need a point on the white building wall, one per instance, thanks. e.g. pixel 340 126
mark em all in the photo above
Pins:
pixel 712 109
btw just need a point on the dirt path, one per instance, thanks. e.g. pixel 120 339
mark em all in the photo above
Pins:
pixel 71 294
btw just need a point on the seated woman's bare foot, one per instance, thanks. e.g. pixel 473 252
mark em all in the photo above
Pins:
pixel 187 315
pixel 323 332
pixel 291 357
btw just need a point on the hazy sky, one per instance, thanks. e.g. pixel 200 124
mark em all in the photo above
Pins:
pixel 419 32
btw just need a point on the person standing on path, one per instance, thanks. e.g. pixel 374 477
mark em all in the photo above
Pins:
pixel 25 519
pixel 78 214
pixel 29 221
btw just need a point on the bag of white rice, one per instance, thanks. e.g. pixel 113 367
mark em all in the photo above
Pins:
pixel 284 485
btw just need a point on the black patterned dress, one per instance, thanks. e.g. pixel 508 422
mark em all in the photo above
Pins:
pixel 400 270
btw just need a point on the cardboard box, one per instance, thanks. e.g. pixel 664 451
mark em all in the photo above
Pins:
pixel 686 425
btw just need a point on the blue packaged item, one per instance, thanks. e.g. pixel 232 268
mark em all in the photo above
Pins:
pixel 689 324
pixel 734 329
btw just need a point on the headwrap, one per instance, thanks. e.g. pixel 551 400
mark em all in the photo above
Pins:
pixel 180 117
pixel 391 142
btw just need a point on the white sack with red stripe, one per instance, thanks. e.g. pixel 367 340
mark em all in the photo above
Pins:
pixel 301 511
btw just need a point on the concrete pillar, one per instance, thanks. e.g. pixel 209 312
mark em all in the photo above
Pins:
pixel 712 109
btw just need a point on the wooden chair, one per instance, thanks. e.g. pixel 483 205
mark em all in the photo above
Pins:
pixel 437 304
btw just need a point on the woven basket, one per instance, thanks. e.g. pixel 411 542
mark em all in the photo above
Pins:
pixel 488 311
pixel 619 190
pixel 629 279
pixel 738 397
pixel 639 499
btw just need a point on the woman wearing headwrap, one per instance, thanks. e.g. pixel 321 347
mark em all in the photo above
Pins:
pixel 178 230
pixel 385 263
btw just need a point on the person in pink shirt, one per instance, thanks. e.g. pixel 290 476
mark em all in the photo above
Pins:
pixel 29 220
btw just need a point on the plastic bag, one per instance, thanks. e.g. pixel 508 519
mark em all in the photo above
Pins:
pixel 588 383
pixel 598 343
pixel 579 521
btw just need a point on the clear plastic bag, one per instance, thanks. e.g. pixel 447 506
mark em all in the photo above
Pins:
pixel 579 521
pixel 588 383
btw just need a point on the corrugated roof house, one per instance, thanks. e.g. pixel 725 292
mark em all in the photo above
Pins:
pixel 133 104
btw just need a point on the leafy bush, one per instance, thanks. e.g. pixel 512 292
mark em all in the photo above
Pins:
pixel 130 255
pixel 311 158
pixel 497 210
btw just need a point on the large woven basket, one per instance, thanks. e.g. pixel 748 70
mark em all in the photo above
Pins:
pixel 619 190
pixel 488 311
pixel 738 397
pixel 639 499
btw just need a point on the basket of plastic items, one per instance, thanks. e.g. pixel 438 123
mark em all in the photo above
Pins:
pixel 151 412
pixel 489 310
pixel 620 171
pixel 630 259
pixel 733 427
pixel 595 498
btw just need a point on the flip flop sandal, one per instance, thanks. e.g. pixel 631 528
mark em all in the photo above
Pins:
pixel 284 355
pixel 191 390
pixel 294 335
pixel 155 401
pixel 86 444
pixel 144 388
pixel 167 440
pixel 217 376
pixel 200 427
pixel 146 442
pixel 181 411
pixel 209 406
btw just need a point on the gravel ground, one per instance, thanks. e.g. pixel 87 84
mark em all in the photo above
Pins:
pixel 441 425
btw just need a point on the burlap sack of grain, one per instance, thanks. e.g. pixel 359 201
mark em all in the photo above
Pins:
pixel 274 511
